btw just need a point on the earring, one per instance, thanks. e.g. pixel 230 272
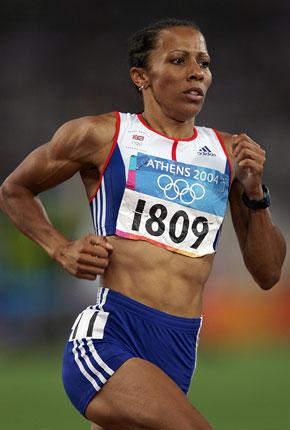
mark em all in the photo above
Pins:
pixel 141 88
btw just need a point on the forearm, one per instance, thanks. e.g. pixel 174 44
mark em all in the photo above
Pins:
pixel 28 214
pixel 264 248
pixel 262 245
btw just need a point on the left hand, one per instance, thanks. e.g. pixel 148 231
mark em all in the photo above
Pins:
pixel 250 159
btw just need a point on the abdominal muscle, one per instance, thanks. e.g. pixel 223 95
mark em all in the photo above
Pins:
pixel 156 277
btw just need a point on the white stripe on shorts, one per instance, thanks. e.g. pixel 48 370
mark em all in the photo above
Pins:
pixel 89 364
pixel 98 359
pixel 82 369
pixel 197 342
pixel 105 293
pixel 99 293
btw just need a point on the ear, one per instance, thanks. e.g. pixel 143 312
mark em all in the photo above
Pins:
pixel 139 77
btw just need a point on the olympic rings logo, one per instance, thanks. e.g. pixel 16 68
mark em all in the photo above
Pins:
pixel 180 188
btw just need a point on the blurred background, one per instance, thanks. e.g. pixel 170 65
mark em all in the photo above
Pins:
pixel 61 60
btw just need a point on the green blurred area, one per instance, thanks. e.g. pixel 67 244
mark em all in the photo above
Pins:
pixel 246 389
pixel 236 389
pixel 20 254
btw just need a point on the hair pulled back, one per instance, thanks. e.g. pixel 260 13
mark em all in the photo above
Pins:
pixel 144 41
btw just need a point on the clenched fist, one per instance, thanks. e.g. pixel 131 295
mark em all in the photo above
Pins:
pixel 85 258
pixel 250 159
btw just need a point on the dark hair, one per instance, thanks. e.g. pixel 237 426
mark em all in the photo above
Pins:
pixel 145 40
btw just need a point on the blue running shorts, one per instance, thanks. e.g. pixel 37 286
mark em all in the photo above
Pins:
pixel 117 328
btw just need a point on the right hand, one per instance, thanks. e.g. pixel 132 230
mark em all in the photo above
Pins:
pixel 85 258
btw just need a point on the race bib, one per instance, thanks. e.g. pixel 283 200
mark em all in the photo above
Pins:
pixel 174 205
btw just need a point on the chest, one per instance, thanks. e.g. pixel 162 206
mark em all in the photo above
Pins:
pixel 172 156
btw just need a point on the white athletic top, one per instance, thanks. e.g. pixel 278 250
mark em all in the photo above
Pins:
pixel 170 192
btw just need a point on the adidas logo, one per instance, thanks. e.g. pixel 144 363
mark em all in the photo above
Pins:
pixel 206 151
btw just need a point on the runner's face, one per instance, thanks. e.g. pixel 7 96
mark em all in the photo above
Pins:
pixel 178 72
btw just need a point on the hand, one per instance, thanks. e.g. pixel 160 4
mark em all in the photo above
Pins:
pixel 250 159
pixel 85 258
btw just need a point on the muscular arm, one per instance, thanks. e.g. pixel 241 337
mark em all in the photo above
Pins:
pixel 73 147
pixel 263 246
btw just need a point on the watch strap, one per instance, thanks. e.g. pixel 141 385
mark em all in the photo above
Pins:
pixel 258 204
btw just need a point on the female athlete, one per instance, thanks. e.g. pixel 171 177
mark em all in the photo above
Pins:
pixel 158 187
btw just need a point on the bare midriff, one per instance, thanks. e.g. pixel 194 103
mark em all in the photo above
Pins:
pixel 156 277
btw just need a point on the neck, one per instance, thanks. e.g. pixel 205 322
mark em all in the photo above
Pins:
pixel 168 125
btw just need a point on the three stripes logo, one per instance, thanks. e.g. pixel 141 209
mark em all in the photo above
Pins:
pixel 92 321
pixel 89 324
pixel 206 151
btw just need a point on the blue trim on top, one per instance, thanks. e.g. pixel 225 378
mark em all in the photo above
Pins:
pixel 114 179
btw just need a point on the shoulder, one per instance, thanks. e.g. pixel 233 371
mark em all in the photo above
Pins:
pixel 227 139
pixel 81 137
pixel 98 127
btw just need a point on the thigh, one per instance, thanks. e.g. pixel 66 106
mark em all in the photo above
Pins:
pixel 141 396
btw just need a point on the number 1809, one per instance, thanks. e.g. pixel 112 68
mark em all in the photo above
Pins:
pixel 155 225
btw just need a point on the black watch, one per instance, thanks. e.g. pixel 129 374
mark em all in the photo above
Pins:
pixel 258 204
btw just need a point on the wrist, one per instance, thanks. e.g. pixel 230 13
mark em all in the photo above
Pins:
pixel 258 202
pixel 57 251
pixel 257 194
